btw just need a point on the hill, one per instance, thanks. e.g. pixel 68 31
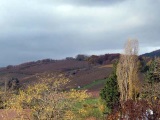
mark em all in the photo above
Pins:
pixel 88 73
pixel 155 53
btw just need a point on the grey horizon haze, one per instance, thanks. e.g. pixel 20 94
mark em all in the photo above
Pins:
pixel 37 29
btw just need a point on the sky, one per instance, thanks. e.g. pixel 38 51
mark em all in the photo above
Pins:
pixel 38 29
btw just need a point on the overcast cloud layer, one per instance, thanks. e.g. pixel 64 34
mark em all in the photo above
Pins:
pixel 39 29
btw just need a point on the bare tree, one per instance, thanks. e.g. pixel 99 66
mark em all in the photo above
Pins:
pixel 127 71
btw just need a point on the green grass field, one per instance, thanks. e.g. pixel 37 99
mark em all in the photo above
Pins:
pixel 94 83
pixel 91 105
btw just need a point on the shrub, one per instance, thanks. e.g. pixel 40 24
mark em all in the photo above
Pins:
pixel 137 110
pixel 46 99
pixel 13 84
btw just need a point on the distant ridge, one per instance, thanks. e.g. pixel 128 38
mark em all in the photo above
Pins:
pixel 155 53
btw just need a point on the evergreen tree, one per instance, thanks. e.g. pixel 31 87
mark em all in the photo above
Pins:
pixel 109 94
pixel 153 74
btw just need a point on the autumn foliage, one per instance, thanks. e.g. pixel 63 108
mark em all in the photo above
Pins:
pixel 46 99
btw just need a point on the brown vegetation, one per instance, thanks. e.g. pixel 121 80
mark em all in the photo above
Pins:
pixel 127 71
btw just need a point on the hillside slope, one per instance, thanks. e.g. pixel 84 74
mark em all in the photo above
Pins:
pixel 155 53
pixel 81 73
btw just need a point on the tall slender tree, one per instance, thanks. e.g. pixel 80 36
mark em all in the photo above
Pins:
pixel 127 71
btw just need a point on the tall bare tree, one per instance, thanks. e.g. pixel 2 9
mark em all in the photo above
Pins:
pixel 127 71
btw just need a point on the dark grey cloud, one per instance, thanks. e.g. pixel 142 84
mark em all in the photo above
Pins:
pixel 87 2
pixel 38 29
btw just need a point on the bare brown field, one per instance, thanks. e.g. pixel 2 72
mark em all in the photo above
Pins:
pixel 84 77
pixel 80 73
pixel 15 115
